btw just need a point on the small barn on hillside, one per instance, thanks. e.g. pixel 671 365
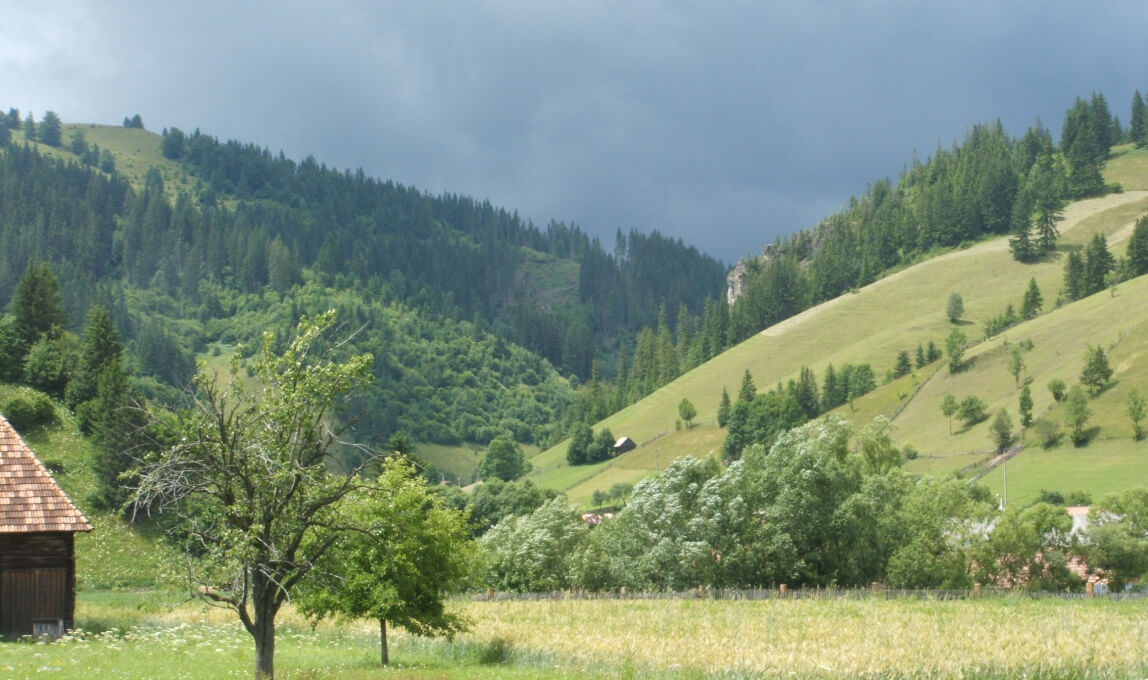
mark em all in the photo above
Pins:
pixel 623 445
pixel 38 525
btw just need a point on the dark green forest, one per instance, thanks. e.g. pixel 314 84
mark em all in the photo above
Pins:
pixel 464 305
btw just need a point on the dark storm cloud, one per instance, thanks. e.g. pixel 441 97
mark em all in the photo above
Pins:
pixel 726 124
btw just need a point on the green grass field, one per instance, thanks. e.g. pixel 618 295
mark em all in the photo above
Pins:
pixel 158 634
pixel 896 313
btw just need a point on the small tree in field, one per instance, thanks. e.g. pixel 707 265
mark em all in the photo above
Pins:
pixel 688 412
pixel 1057 387
pixel 1025 407
pixel 1002 430
pixel 972 410
pixel 955 345
pixel 948 407
pixel 955 308
pixel 1016 365
pixel 1077 414
pixel 1136 414
pixel 410 553
pixel 248 478
pixel 723 408
pixel 1096 372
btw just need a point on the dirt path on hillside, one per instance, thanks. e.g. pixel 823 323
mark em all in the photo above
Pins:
pixel 1074 214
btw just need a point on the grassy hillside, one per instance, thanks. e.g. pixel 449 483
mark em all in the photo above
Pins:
pixel 896 313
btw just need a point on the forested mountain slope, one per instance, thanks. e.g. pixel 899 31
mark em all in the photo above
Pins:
pixel 196 246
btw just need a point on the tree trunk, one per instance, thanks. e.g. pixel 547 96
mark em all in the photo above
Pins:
pixel 383 641
pixel 264 649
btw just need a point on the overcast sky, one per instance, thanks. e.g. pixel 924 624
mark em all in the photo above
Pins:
pixel 723 123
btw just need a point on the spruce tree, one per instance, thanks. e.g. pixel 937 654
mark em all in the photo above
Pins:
pixel 50 129
pixel 1138 249
pixel 1138 128
pixel 1074 276
pixel 101 345
pixel 748 390
pixel 1098 262
pixel 37 304
pixel 1025 404
pixel 723 408
pixel 1033 300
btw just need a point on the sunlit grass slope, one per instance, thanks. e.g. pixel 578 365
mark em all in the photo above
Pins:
pixel 896 313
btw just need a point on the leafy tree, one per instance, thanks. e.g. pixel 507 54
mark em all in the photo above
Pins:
pixel 535 552
pixel 602 447
pixel 409 554
pixel 1077 413
pixel 955 308
pixel 1117 538
pixel 1033 300
pixel 1097 373
pixel 1028 547
pixel 949 406
pixel 247 477
pixel 955 346
pixel 1025 407
pixel 1057 387
pixel 1001 429
pixel 1016 365
pixel 687 412
pixel 877 448
pixel 747 391
pixel 51 362
pixel 503 460
pixel 37 304
pixel 495 499
pixel 723 408
pixel 50 129
pixel 862 381
pixel 972 410
pixel 580 440
pixel 1136 413
pixel 904 365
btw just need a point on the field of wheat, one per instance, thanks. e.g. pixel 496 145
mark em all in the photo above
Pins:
pixel 145 636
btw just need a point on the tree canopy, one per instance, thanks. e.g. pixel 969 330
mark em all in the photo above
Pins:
pixel 248 477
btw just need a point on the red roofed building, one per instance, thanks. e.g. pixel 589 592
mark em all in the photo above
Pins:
pixel 38 524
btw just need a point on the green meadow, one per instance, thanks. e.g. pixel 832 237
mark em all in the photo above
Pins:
pixel 907 308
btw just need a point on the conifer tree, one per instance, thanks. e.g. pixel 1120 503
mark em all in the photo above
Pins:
pixel 1033 300
pixel 1025 405
pixel 723 408
pixel 50 129
pixel 1138 126
pixel 748 390
pixel 1074 276
pixel 101 345
pixel 1098 262
pixel 37 304
pixel 1138 248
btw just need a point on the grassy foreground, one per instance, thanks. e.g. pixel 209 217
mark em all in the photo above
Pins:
pixel 144 636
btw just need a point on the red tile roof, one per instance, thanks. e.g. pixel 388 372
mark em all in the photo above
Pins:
pixel 30 500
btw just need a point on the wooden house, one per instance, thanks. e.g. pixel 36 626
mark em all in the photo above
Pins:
pixel 38 524
pixel 623 445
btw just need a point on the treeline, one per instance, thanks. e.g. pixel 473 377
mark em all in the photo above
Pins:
pixel 809 513
pixel 989 184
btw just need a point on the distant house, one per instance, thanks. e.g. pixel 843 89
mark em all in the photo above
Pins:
pixel 38 524
pixel 623 445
